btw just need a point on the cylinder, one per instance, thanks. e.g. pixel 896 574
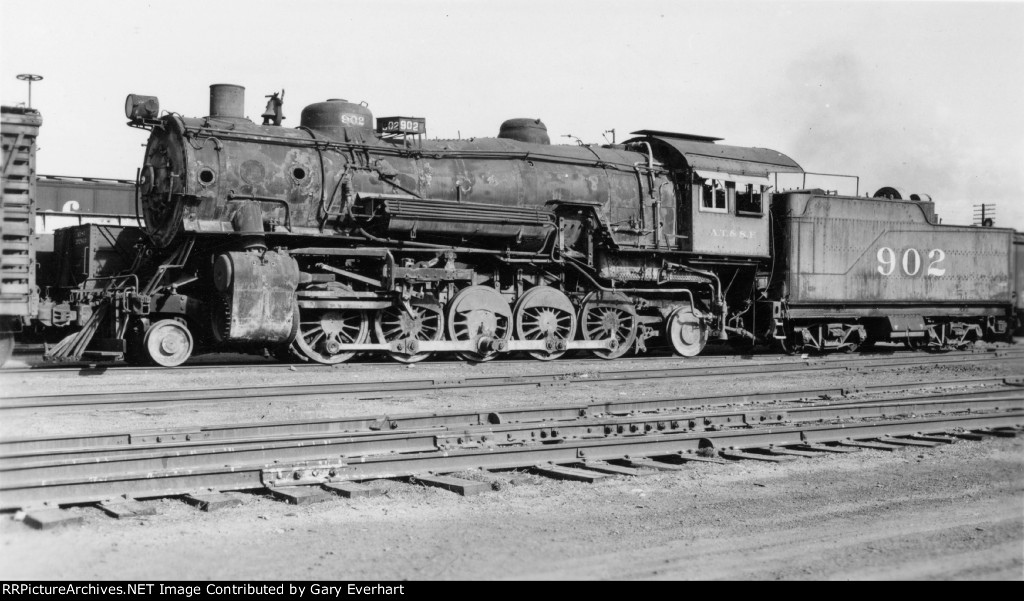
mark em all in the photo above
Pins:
pixel 227 101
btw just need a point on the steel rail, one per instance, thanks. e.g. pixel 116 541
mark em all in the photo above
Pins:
pixel 42 446
pixel 323 465
pixel 549 430
pixel 117 463
pixel 291 391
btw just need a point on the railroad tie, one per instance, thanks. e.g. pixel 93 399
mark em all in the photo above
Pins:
pixel 559 472
pixel 129 508
pixel 607 468
pixel 299 495
pixel 931 438
pixel 969 436
pixel 461 486
pixel 731 454
pixel 1002 432
pixel 647 462
pixel 876 446
pixel 823 448
pixel 352 490
pixel 792 452
pixel 907 442
pixel 212 501
pixel 44 519
pixel 700 458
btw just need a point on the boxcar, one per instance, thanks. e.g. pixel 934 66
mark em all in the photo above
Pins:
pixel 1018 245
pixel 19 128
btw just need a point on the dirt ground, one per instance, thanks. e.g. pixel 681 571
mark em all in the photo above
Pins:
pixel 952 512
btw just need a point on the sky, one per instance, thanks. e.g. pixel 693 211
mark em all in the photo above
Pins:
pixel 923 96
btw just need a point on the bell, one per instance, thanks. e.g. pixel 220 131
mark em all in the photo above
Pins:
pixel 273 114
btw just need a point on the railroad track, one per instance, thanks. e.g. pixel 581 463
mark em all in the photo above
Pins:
pixel 75 369
pixel 654 355
pixel 342 390
pixel 585 442
pixel 268 431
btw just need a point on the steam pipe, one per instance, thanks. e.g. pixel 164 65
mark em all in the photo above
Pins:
pixel 287 207
pixel 630 290
pixel 427 245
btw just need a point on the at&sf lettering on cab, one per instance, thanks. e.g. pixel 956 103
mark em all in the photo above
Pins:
pixel 348 235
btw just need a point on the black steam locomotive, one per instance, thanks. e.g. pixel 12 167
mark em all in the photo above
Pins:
pixel 351 235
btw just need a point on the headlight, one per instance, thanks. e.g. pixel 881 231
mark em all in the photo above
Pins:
pixel 138 108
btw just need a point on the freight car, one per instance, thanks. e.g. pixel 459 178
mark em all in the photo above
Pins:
pixel 19 128
pixel 60 195
pixel 35 206
pixel 351 235
pixel 65 202
pixel 1018 279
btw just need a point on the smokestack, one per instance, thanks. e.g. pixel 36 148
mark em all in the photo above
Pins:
pixel 227 101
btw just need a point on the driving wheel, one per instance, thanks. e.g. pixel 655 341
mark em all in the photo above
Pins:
pixel 322 332
pixel 609 315
pixel 544 313
pixel 480 314
pixel 419 320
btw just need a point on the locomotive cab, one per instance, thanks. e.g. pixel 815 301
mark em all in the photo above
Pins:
pixel 727 214
pixel 723 189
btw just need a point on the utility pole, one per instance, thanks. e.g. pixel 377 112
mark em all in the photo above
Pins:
pixel 984 215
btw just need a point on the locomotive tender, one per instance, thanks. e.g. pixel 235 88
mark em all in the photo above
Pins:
pixel 346 235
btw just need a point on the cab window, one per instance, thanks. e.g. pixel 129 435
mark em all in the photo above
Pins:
pixel 714 195
pixel 748 198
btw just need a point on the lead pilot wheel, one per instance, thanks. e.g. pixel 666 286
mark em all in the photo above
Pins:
pixel 167 343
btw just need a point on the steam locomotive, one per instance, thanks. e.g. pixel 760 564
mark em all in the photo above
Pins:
pixel 350 235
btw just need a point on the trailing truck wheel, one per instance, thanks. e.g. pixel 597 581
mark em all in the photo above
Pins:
pixel 168 343
pixel 480 314
pixel 425 323
pixel 6 347
pixel 544 313
pixel 609 315
pixel 687 333
pixel 322 332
